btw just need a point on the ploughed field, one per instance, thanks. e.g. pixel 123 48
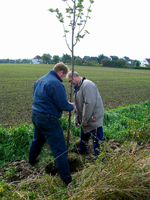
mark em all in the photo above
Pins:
pixel 117 86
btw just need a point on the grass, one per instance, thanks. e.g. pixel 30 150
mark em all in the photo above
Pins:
pixel 130 123
pixel 123 174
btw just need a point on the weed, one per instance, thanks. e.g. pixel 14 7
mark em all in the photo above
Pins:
pixel 10 172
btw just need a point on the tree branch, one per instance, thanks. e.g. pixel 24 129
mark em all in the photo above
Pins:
pixel 66 38
pixel 84 24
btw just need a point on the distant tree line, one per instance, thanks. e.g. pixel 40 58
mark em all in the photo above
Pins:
pixel 101 60
pixel 47 58
pixel 25 61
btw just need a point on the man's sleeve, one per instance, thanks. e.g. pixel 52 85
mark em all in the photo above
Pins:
pixel 60 99
pixel 89 95
pixel 76 116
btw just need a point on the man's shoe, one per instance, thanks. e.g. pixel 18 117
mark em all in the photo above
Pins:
pixel 34 162
pixel 67 183
pixel 76 151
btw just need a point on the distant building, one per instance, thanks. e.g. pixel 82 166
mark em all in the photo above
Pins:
pixel 37 60
pixel 1 60
pixel 127 59
pixel 11 61
pixel 86 58
pixel 78 57
pixel 145 62
pixel 93 58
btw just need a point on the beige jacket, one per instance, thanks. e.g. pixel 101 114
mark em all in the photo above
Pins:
pixel 89 106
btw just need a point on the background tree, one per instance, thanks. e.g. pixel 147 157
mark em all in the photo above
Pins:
pixel 94 62
pixel 78 61
pixel 137 63
pixel 66 58
pixel 100 57
pixel 55 59
pixel 46 58
pixel 87 63
pixel 18 61
pixel 6 60
pixel 26 61
pixel 122 63
pixel 77 22
pixel 114 57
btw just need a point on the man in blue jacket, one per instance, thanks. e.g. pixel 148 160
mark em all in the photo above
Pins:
pixel 49 100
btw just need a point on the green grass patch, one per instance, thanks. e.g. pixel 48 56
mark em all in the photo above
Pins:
pixel 130 123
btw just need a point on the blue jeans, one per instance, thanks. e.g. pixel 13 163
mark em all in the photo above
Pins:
pixel 47 128
pixel 97 140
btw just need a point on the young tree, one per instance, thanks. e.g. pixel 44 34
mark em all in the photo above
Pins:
pixel 77 22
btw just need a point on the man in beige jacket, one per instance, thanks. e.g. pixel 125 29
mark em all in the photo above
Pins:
pixel 89 112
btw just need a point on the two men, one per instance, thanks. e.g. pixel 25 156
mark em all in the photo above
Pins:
pixel 89 111
pixel 49 100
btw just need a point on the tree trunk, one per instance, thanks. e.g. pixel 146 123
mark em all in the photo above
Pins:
pixel 72 55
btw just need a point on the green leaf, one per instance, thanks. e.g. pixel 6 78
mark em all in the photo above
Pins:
pixel 87 31
pixel 89 10
pixel 57 10
pixel 51 10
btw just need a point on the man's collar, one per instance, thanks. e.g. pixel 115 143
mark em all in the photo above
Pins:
pixel 80 82
pixel 52 72
pixel 77 88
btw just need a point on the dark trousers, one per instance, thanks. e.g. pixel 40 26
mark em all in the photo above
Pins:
pixel 97 140
pixel 47 128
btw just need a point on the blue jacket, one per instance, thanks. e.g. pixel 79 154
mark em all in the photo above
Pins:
pixel 49 96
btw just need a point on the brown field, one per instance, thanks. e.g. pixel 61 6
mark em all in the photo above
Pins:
pixel 118 87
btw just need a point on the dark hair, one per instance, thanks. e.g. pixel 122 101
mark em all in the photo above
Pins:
pixel 61 67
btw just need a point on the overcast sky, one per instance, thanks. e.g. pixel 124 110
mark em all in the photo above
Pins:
pixel 117 27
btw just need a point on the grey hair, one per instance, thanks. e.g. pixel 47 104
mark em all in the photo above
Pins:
pixel 69 75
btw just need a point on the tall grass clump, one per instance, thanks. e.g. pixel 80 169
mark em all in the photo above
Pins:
pixel 128 123
pixel 14 142
pixel 120 176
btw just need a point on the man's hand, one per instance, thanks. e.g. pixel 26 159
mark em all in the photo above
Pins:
pixel 84 124
pixel 76 125
pixel 72 104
